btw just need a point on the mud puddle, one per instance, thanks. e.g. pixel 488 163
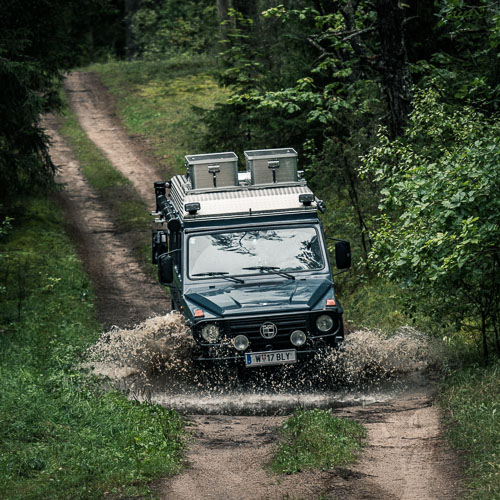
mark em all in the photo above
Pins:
pixel 153 362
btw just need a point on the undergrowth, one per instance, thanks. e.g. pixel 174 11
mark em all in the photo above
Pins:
pixel 470 399
pixel 62 435
pixel 317 439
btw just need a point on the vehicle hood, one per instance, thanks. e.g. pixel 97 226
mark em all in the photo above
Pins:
pixel 264 297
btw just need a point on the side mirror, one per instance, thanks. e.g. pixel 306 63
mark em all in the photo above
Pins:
pixel 159 245
pixel 343 254
pixel 165 269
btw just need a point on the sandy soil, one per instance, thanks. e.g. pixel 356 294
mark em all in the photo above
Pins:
pixel 405 456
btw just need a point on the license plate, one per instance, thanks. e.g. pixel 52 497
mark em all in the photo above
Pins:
pixel 270 358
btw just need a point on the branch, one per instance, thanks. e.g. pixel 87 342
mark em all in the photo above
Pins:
pixel 316 45
pixel 348 12
pixel 357 33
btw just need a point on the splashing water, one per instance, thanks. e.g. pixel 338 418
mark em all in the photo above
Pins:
pixel 153 362
pixel 369 355
pixel 159 344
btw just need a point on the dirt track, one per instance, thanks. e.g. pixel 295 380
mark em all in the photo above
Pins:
pixel 125 293
pixel 405 457
pixel 89 100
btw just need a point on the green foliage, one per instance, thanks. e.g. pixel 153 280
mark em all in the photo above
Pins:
pixel 257 59
pixel 465 55
pixel 440 212
pixel 298 78
pixel 36 43
pixel 24 159
pixel 470 398
pixel 160 30
pixel 316 439
pixel 320 77
pixel 62 434
pixel 6 225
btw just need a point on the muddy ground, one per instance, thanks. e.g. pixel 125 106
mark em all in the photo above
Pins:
pixel 234 426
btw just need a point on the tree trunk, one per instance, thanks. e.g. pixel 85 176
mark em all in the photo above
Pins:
pixel 497 339
pixel 130 8
pixel 394 63
pixel 222 10
pixel 350 182
pixel 484 337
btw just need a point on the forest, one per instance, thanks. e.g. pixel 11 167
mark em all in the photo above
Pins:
pixel 393 107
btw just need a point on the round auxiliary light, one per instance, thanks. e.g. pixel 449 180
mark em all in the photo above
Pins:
pixel 298 338
pixel 210 333
pixel 324 323
pixel 241 342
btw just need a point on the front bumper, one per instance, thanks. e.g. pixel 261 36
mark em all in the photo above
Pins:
pixel 228 354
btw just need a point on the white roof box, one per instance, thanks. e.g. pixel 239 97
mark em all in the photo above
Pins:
pixel 214 170
pixel 272 166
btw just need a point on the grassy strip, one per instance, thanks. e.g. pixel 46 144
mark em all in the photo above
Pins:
pixel 317 439
pixel 62 436
pixel 164 101
pixel 471 401
pixel 114 188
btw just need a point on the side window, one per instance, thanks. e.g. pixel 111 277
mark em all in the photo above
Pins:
pixel 175 239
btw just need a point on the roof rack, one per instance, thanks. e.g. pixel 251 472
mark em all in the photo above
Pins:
pixel 213 188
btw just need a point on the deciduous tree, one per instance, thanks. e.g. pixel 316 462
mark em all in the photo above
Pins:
pixel 439 227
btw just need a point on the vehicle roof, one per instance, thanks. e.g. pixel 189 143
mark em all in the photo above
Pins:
pixel 239 201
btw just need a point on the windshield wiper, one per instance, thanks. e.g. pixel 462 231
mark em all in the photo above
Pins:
pixel 271 270
pixel 221 275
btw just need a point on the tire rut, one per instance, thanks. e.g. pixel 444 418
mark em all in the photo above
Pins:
pixel 125 294
pixel 92 104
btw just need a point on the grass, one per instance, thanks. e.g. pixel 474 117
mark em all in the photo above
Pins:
pixel 317 439
pixel 470 399
pixel 62 435
pixel 163 101
pixel 372 303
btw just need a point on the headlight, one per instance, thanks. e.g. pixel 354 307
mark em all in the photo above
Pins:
pixel 298 338
pixel 240 342
pixel 210 333
pixel 324 323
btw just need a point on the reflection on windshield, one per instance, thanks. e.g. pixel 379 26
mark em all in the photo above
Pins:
pixel 291 249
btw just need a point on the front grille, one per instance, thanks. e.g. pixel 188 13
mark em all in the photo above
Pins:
pixel 250 327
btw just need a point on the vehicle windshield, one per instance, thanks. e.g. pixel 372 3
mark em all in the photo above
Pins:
pixel 264 250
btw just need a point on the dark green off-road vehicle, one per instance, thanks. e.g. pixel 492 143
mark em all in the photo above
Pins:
pixel 245 258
